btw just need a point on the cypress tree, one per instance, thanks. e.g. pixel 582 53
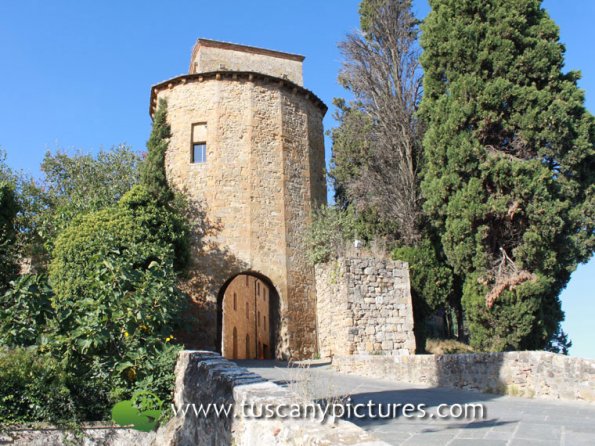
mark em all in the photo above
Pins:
pixel 508 178
pixel 153 169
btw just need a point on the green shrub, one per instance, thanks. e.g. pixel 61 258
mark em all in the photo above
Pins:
pixel 33 387
pixel 116 300
pixel 331 227
pixel 73 185
pixel 24 310
pixel 334 229
pixel 137 228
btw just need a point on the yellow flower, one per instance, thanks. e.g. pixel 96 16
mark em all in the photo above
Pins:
pixel 131 374
pixel 126 334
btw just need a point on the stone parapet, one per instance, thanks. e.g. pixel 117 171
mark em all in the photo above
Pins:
pixel 532 374
pixel 205 378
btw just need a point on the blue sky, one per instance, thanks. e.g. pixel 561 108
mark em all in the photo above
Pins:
pixel 77 75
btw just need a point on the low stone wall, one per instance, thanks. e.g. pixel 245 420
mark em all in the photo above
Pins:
pixel 532 374
pixel 205 377
pixel 364 306
pixel 89 436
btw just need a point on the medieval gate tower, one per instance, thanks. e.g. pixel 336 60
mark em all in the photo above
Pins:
pixel 247 143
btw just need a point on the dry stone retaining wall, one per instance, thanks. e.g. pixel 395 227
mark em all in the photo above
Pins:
pixel 533 374
pixel 364 307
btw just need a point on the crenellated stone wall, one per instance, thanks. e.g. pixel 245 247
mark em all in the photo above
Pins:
pixel 364 307
pixel 532 374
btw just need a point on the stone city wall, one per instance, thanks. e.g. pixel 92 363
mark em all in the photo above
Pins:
pixel 364 307
pixel 532 374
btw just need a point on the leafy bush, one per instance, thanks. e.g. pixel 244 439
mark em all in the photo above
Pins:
pixel 102 322
pixel 25 310
pixel 116 299
pixel 334 229
pixel 33 387
pixel 74 185
pixel 330 229
pixel 137 229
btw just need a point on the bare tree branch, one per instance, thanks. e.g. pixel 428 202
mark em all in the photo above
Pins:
pixel 381 68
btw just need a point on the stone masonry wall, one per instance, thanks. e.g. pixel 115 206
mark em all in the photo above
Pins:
pixel 87 436
pixel 208 58
pixel 533 374
pixel 205 378
pixel 364 307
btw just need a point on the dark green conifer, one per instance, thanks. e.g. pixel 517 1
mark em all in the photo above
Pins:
pixel 508 177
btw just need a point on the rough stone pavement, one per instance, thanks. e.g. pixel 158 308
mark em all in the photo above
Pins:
pixel 507 421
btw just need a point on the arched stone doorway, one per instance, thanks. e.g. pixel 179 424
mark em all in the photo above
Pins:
pixel 247 317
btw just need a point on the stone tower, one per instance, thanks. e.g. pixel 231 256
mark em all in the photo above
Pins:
pixel 247 144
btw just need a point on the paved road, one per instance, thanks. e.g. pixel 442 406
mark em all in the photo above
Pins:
pixel 507 420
